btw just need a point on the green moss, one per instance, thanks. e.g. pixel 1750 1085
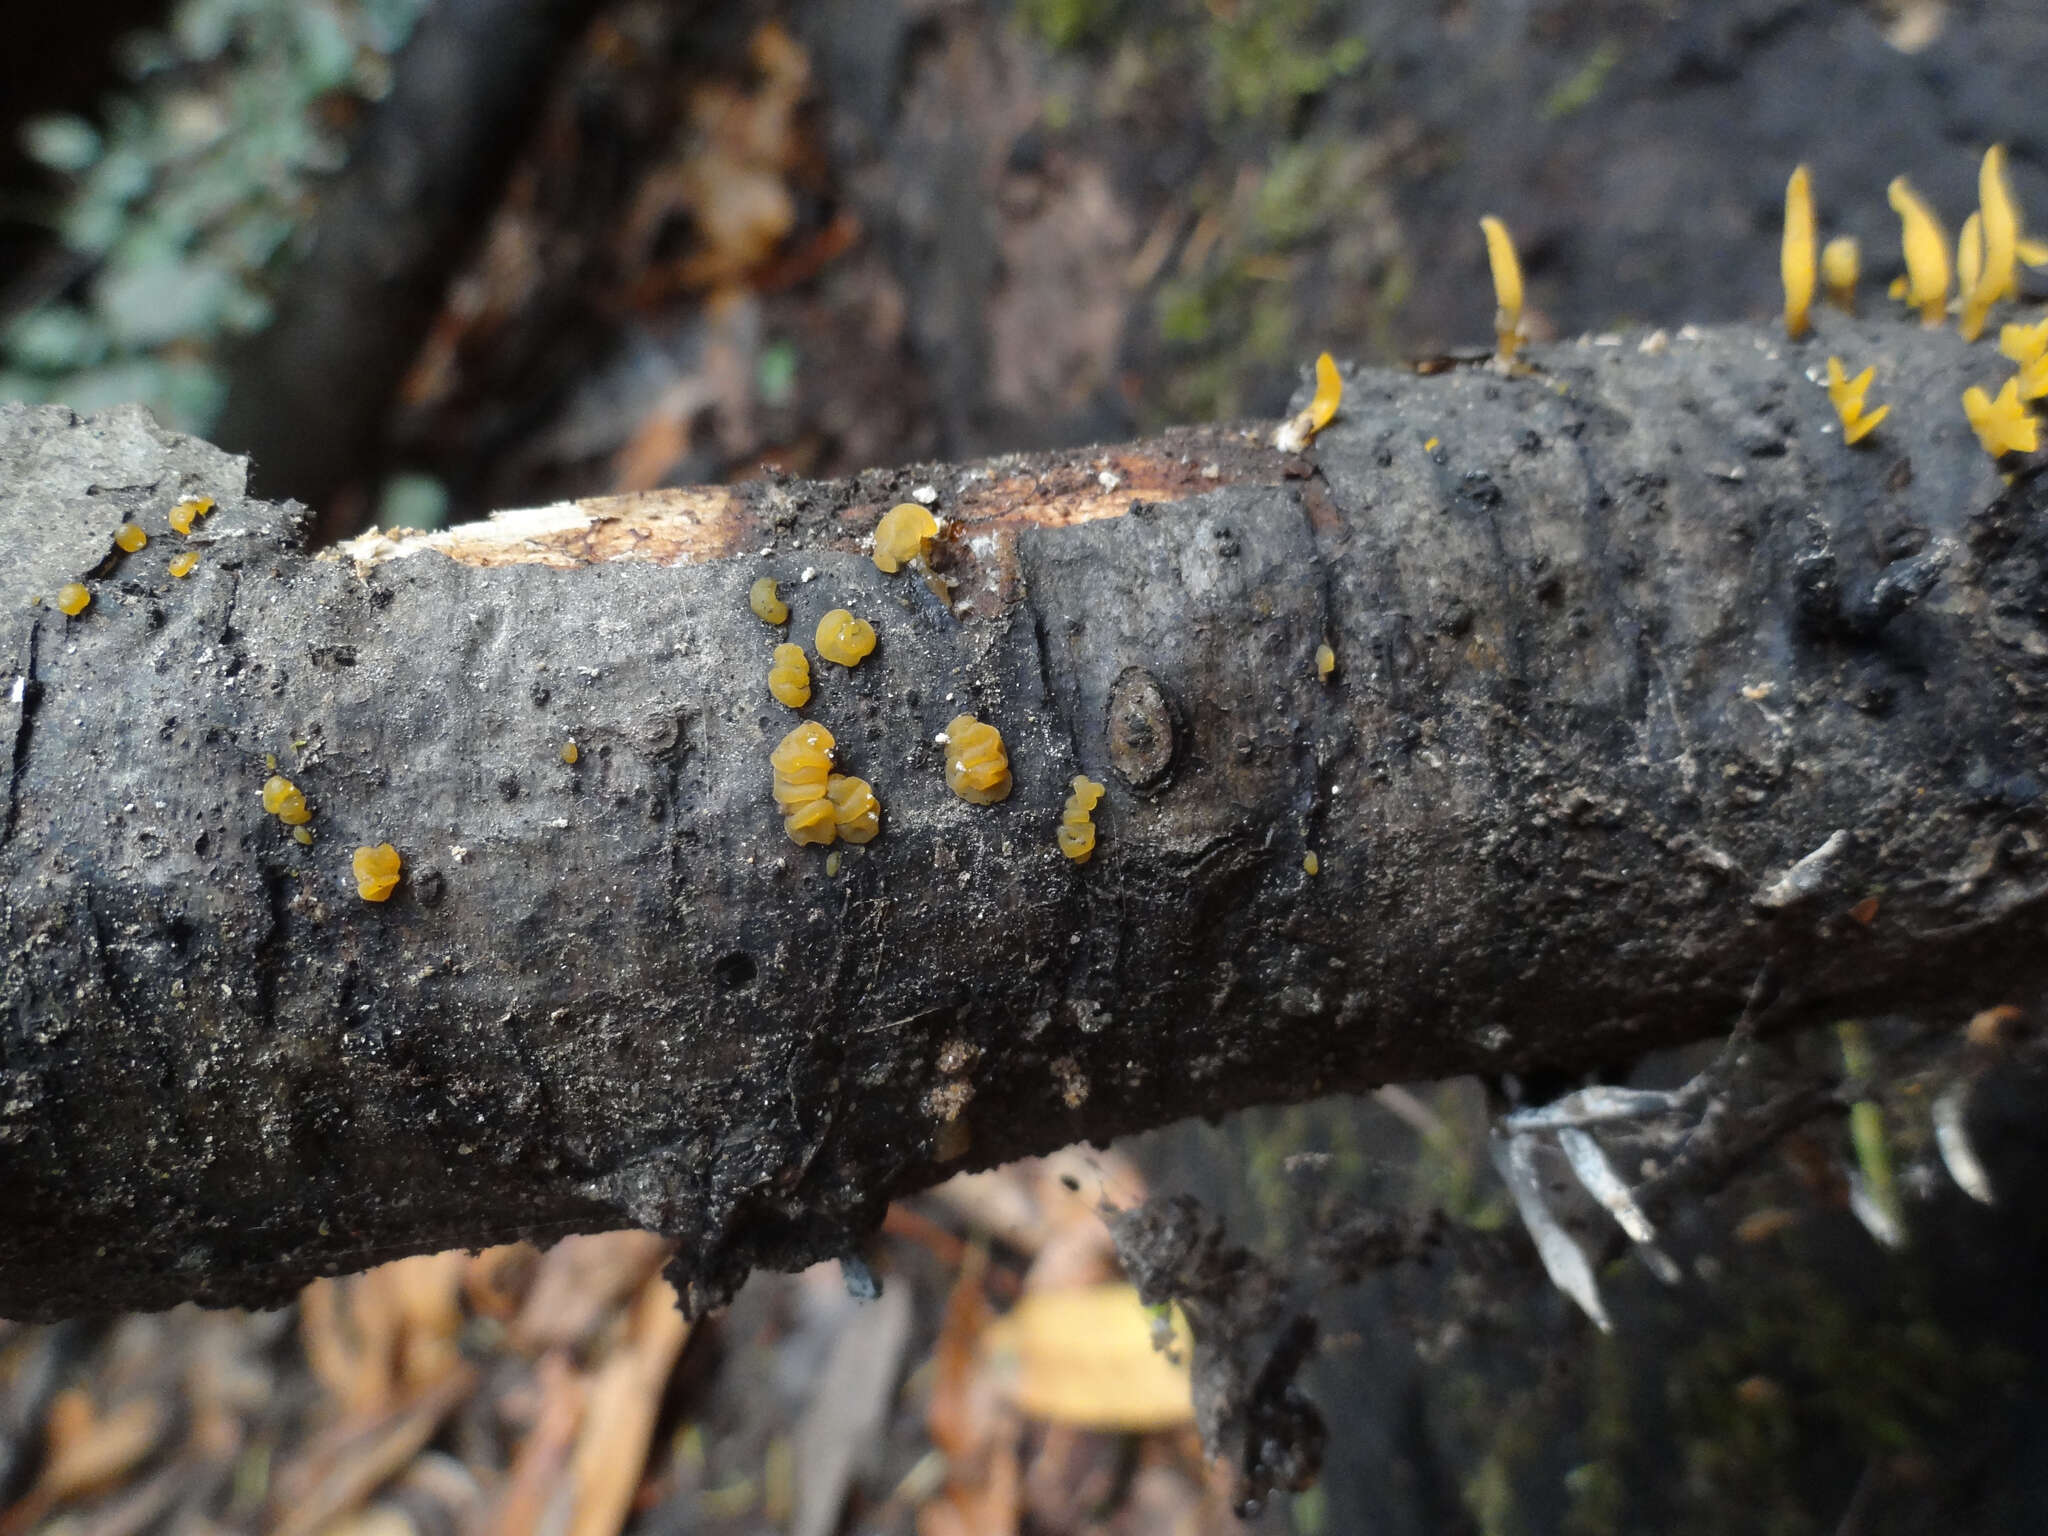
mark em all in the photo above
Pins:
pixel 1067 24
pixel 1582 87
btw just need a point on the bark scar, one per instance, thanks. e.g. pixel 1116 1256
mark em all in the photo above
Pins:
pixel 26 694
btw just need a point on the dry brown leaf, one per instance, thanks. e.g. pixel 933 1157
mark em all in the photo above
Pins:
pixel 425 1296
pixel 496 1280
pixel 618 1420
pixel 349 1333
pixel 345 1466
pixel 538 1464
pixel 1086 1357
pixel 578 1283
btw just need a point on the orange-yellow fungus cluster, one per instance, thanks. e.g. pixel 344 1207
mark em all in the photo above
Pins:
pixel 1846 396
pixel 284 800
pixel 1799 254
pixel 1507 288
pixel 183 564
pixel 2027 345
pixel 904 533
pixel 1077 825
pixel 376 871
pixel 72 598
pixel 768 608
pixel 129 537
pixel 789 679
pixel 819 805
pixel 183 513
pixel 843 638
pixel 977 766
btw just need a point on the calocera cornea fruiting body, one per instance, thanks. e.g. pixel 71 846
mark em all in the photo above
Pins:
pixel 1798 257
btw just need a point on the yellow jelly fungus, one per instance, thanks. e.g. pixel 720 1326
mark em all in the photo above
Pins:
pixel 1432 444
pixel 570 752
pixel 129 537
pixel 789 679
pixel 2024 344
pixel 2003 425
pixel 977 766
pixel 1507 287
pixel 1925 246
pixel 1310 864
pixel 843 638
pixel 1970 277
pixel 1077 828
pixel 303 836
pixel 1329 393
pixel 376 872
pixel 904 533
pixel 72 598
pixel 1326 660
pixel 183 513
pixel 284 800
pixel 768 608
pixel 2031 252
pixel 182 565
pixel 802 764
pixel 854 808
pixel 2000 279
pixel 1846 396
pixel 1841 262
pixel 1797 261
pixel 813 824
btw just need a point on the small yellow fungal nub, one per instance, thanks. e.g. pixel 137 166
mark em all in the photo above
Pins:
pixel 1310 864
pixel 1841 263
pixel 832 861
pixel 768 608
pixel 376 871
pixel 570 752
pixel 129 537
pixel 303 836
pixel 1329 394
pixel 2003 425
pixel 1326 660
pixel 1846 396
pixel 843 638
pixel 789 679
pixel 1431 445
pixel 284 800
pixel 855 809
pixel 977 765
pixel 182 565
pixel 183 513
pixel 1925 246
pixel 1797 261
pixel 72 598
pixel 1507 287
pixel 903 534
pixel 1076 835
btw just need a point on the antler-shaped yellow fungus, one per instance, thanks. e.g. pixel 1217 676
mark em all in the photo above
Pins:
pixel 902 535
pixel 1925 246
pixel 1507 288
pixel 1841 262
pixel 2027 345
pixel 2001 213
pixel 1846 395
pixel 2002 424
pixel 1798 260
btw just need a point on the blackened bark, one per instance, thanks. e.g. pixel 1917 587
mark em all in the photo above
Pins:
pixel 1643 680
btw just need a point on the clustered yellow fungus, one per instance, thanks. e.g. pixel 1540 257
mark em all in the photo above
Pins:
pixel 182 565
pixel 1326 660
pixel 1846 395
pixel 1798 259
pixel 129 537
pixel 789 679
pixel 376 871
pixel 2003 425
pixel 284 800
pixel 1925 246
pixel 843 638
pixel 1077 825
pixel 977 766
pixel 768 608
pixel 72 598
pixel 904 533
pixel 183 513
pixel 819 805
pixel 571 752
pixel 1507 288
pixel 1841 262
